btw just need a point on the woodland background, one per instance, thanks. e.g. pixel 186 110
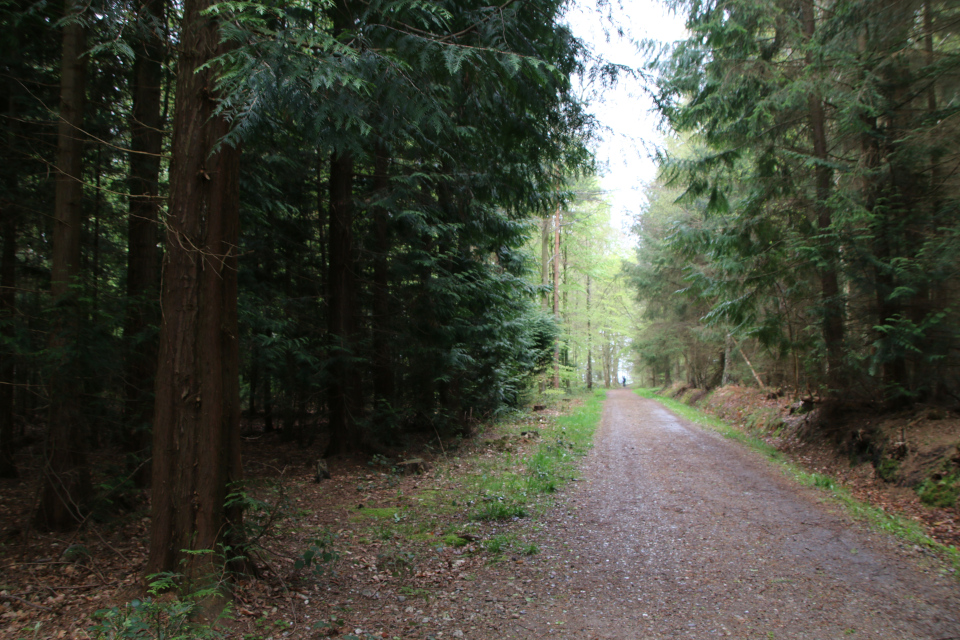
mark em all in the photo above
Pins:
pixel 353 222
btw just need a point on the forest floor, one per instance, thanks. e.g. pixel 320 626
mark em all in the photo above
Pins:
pixel 668 530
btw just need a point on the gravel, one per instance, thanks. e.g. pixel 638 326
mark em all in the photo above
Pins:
pixel 675 532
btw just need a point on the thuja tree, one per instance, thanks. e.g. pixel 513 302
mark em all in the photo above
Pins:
pixel 816 124
pixel 423 181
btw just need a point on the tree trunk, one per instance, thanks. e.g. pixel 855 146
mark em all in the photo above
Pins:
pixel 66 481
pixel 727 361
pixel 589 341
pixel 556 298
pixel 146 139
pixel 8 300
pixel 254 381
pixel 382 361
pixel 345 399
pixel 545 242
pixel 267 403
pixel 832 326
pixel 196 436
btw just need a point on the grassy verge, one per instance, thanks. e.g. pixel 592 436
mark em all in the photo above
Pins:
pixel 510 485
pixel 510 474
pixel 903 528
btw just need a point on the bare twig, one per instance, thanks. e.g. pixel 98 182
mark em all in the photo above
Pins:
pixel 26 602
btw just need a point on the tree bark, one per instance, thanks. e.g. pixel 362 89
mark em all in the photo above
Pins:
pixel 196 438
pixel 545 242
pixel 8 301
pixel 345 399
pixel 383 388
pixel 556 298
pixel 146 140
pixel 832 325
pixel 66 481
pixel 727 361
pixel 589 341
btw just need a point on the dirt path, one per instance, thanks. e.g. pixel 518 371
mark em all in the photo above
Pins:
pixel 675 532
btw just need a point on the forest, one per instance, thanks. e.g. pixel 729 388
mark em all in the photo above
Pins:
pixel 803 234
pixel 346 224
pixel 341 223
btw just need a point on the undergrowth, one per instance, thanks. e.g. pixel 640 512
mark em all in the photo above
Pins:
pixel 903 528
pixel 515 482
pixel 509 485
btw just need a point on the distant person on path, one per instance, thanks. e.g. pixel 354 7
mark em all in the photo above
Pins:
pixel 624 381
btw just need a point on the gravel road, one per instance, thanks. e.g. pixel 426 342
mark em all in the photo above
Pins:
pixel 675 532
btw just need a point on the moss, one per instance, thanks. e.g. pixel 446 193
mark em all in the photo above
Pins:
pixel 888 470
pixel 940 492
pixel 378 513
pixel 453 540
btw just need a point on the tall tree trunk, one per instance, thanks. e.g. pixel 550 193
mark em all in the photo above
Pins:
pixel 345 400
pixel 832 326
pixel 546 239
pixel 382 362
pixel 196 437
pixel 556 298
pixel 8 300
pixel 66 481
pixel 267 403
pixel 589 341
pixel 254 380
pixel 727 361
pixel 346 391
pixel 146 140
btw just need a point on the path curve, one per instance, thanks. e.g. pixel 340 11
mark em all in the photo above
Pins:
pixel 675 532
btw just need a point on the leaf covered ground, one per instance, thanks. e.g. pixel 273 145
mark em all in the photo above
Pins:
pixel 371 552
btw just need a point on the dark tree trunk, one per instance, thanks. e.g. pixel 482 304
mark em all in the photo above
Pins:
pixel 196 438
pixel 267 404
pixel 66 481
pixel 8 299
pixel 345 391
pixel 146 139
pixel 382 361
pixel 345 399
pixel 830 300
pixel 254 380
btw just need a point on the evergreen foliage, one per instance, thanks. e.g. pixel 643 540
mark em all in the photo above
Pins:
pixel 427 135
pixel 816 192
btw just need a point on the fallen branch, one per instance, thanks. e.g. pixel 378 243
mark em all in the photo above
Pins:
pixel 26 602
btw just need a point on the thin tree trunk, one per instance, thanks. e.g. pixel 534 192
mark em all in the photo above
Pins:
pixel 589 341
pixel 196 436
pixel 382 362
pixel 752 370
pixel 556 298
pixel 8 301
pixel 66 481
pixel 253 381
pixel 545 242
pixel 146 140
pixel 727 361
pixel 267 403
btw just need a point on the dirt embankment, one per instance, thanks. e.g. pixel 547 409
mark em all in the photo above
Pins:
pixel 908 461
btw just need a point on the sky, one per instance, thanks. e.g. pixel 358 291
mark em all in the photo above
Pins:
pixel 624 112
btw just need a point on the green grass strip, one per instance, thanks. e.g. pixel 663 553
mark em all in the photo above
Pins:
pixel 507 494
pixel 903 528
